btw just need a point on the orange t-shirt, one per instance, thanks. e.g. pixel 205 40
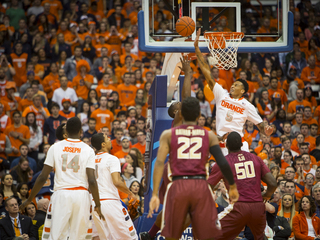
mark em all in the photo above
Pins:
pixel 80 87
pixel 50 83
pixel 292 107
pixel 105 91
pixel 283 95
pixel 3 145
pixel 24 103
pixel 121 155
pixel 103 118
pixel 19 64
pixel 127 94
pixel 55 7
pixel 23 131
pixel 142 148
pixel 115 147
pixel 309 74
pixel 123 58
pixel 10 102
pixel 310 121
pixel 67 115
pixel 39 117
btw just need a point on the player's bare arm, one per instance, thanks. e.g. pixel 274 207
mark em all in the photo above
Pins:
pixel 163 151
pixel 120 185
pixel 41 179
pixel 265 128
pixel 204 66
pixel 224 166
pixel 271 185
pixel 186 68
pixel 94 190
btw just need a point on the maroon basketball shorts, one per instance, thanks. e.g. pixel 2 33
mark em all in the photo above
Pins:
pixel 191 196
pixel 233 220
pixel 164 184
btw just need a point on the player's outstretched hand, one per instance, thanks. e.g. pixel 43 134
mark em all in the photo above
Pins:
pixel 98 210
pixel 153 205
pixel 268 130
pixel 24 205
pixel 185 64
pixel 233 193
pixel 196 41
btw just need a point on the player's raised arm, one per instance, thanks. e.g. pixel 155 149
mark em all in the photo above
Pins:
pixel 186 88
pixel 204 66
pixel 224 166
pixel 163 151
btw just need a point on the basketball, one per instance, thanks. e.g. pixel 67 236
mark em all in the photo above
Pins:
pixel 185 26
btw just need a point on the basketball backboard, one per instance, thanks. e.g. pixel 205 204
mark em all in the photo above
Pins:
pixel 267 24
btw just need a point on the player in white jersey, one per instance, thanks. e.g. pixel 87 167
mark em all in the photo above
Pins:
pixel 232 109
pixel 69 209
pixel 118 224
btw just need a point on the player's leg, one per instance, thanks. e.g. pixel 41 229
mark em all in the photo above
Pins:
pixel 232 220
pixel 257 222
pixel 175 209
pixel 56 225
pixel 118 224
pixel 204 219
pixel 80 224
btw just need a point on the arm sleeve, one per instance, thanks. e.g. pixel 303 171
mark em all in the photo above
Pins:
pixel 91 160
pixel 8 148
pixel 222 163
pixel 115 165
pixel 253 115
pixel 218 92
pixel 50 157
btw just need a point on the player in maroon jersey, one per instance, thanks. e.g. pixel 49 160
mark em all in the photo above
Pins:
pixel 248 171
pixel 189 145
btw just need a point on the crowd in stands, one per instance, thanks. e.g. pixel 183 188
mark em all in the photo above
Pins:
pixel 60 59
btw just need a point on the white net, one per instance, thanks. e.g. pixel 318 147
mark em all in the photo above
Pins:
pixel 223 48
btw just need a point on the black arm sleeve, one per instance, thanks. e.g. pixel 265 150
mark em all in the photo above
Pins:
pixel 222 163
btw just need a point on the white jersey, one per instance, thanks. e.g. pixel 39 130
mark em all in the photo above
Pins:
pixel 232 114
pixel 105 165
pixel 70 158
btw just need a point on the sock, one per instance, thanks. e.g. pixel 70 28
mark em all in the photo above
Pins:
pixel 153 231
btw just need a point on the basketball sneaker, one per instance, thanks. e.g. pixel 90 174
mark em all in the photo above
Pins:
pixel 145 236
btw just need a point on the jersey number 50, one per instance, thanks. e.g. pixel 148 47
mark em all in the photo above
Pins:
pixel 187 142
pixel 245 170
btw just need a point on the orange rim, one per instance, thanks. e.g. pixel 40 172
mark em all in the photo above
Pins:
pixel 226 35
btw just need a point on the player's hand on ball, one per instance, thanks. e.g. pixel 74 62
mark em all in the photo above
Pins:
pixel 153 205
pixel 233 193
pixel 98 210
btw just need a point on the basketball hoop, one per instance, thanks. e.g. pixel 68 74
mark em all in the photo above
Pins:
pixel 223 47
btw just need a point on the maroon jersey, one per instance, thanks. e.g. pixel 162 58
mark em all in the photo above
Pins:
pixel 247 169
pixel 189 150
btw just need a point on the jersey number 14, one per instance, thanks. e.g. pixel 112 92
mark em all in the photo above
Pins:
pixel 73 164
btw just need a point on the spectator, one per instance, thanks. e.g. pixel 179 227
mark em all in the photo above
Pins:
pixel 30 210
pixel 102 115
pixel 141 144
pixel 316 152
pixel 121 154
pixel 15 224
pixel 40 217
pixel 141 124
pixel 18 134
pixel 30 78
pixel 287 131
pixel 308 119
pixel 127 173
pixel 36 135
pixel 292 83
pixel 298 62
pixel 133 206
pixel 287 211
pixel 286 144
pixel 51 124
pixel 306 225
pixel 308 166
pixel 116 143
pixel 291 187
pixel 311 73
pixel 19 61
pixel 274 88
pixel 304 148
pixel 309 183
pixel 316 196
pixel 127 92
pixel 84 115
pixel 105 131
pixel 101 64
pixel 304 129
pixel 133 134
pixel 105 88
pixel 264 106
pixel 204 105
pixel 93 100
pixel 10 98
pixel 51 81
pixel 133 160
pixel 70 67
pixel 92 128
pixel 297 105
pixel 314 130
pixel 15 13
pixel 65 92
pixel 23 189
pixel 24 155
pixel 117 19
pixel 36 8
pixel 66 112
pixel 27 101
pixel 36 90
pixel 8 188
pixel 296 127
pixel 88 50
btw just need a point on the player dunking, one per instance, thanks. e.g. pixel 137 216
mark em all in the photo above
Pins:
pixel 189 145
pixel 118 224
pixel 69 209
pixel 232 109
pixel 248 171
